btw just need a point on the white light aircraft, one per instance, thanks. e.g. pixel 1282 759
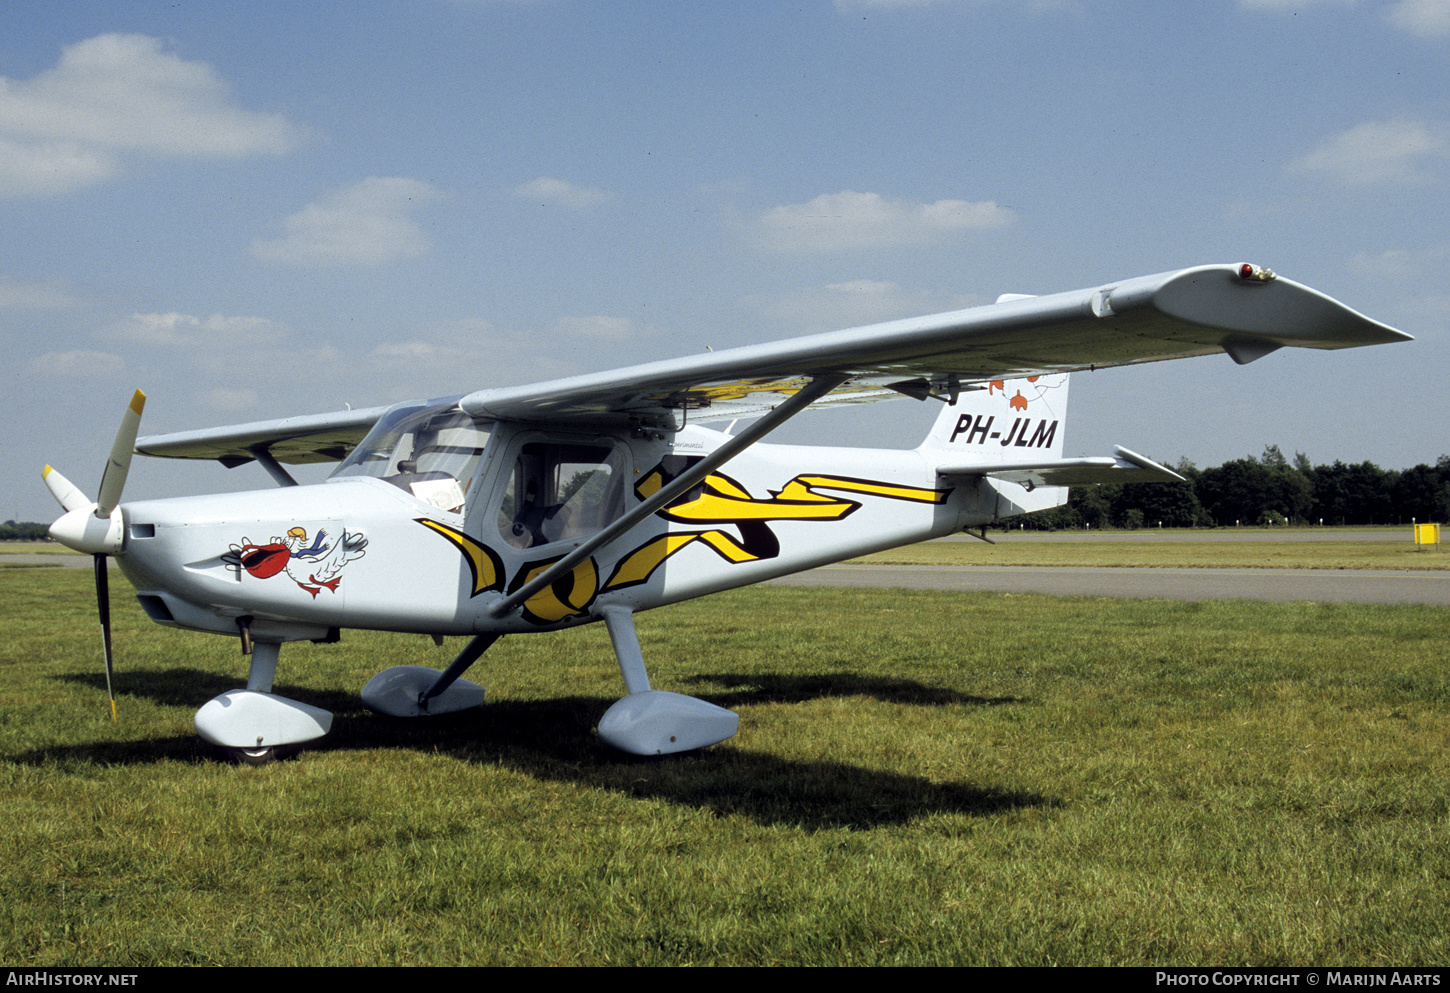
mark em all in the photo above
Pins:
pixel 595 497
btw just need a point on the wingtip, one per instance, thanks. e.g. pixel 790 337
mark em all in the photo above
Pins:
pixel 138 402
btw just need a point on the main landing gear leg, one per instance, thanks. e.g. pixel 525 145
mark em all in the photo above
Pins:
pixel 255 725
pixel 417 691
pixel 655 722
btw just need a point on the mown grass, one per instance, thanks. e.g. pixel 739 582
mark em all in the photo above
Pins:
pixel 1174 554
pixel 919 778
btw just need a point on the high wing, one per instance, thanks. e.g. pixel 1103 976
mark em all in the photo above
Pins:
pixel 1239 309
pixel 1242 310
pixel 295 440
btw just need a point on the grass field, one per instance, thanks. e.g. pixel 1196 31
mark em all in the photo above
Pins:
pixel 919 778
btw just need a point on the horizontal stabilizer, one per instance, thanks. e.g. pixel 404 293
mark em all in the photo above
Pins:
pixel 1122 466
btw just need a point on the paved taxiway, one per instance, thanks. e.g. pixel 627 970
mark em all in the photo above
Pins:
pixel 1222 535
pixel 1315 585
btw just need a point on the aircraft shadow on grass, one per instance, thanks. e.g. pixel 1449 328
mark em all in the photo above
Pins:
pixel 781 688
pixel 554 739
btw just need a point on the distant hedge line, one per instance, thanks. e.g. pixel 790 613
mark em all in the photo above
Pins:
pixel 1264 491
pixel 22 531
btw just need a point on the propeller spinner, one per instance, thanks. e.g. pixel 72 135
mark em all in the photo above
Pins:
pixel 96 527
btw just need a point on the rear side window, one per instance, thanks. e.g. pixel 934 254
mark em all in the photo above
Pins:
pixel 558 492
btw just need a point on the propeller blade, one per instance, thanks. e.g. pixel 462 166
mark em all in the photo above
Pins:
pixel 65 492
pixel 103 606
pixel 77 529
pixel 114 478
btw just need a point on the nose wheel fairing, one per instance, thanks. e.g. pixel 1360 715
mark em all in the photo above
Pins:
pixel 250 720
pixel 255 719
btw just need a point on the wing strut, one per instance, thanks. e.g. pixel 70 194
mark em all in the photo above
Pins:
pixel 817 388
pixel 263 454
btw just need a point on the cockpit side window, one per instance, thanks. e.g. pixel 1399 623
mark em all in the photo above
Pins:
pixel 558 492
pixel 431 451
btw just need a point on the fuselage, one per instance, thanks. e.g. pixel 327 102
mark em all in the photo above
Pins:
pixel 406 547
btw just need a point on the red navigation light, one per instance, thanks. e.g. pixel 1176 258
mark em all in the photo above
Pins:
pixel 1256 273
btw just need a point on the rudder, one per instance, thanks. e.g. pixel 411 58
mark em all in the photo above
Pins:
pixel 1012 420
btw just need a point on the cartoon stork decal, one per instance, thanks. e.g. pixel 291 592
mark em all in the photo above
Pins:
pixel 311 567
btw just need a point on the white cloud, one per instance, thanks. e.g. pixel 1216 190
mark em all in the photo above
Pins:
pixel 19 294
pixel 597 328
pixel 427 353
pixel 1377 152
pixel 274 363
pixel 216 331
pixel 363 224
pixel 855 6
pixel 1429 310
pixel 849 220
pixel 229 400
pixel 461 342
pixel 1404 264
pixel 1292 5
pixel 853 303
pixel 78 364
pixel 472 353
pixel 115 94
pixel 1425 18
pixel 459 356
pixel 848 6
pixel 560 193
pixel 1415 278
pixel 446 349
pixel 1396 263
pixel 43 169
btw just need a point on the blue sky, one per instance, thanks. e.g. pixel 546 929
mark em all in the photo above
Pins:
pixel 253 210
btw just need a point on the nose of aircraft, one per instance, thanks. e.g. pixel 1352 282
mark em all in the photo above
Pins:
pixel 82 530
pixel 96 527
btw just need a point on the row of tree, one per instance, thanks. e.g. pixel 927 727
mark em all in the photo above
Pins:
pixel 23 531
pixel 1265 491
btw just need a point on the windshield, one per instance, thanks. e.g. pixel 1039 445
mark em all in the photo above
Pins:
pixel 429 449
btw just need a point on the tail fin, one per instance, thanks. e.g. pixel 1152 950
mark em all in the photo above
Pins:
pixel 1013 420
